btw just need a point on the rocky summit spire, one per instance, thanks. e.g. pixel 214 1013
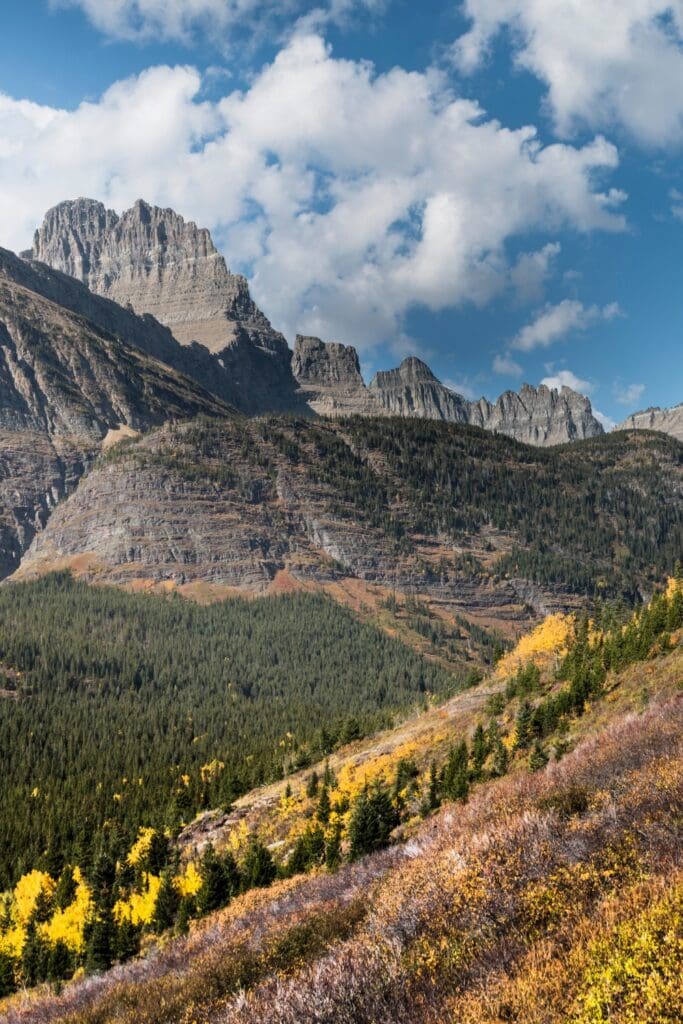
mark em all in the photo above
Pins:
pixel 159 263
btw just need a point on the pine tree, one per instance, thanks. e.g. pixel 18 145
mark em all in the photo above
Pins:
pixel 258 868
pixel 324 805
pixel 456 776
pixel 479 751
pixel 60 962
pixel 312 785
pixel 166 906
pixel 100 946
pixel 126 940
pixel 373 819
pixel 333 844
pixel 34 956
pixel 538 758
pixel 8 981
pixel 216 888
pixel 523 726
pixel 66 888
pixel 433 799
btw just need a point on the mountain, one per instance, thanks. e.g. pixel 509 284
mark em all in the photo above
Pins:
pixel 469 520
pixel 329 378
pixel 669 421
pixel 156 263
pixel 68 386
pixel 413 390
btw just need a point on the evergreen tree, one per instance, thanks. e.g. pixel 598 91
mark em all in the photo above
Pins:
pixel 126 940
pixel 324 807
pixel 66 888
pixel 479 752
pixel 312 785
pixel 373 819
pixel 167 903
pixel 34 956
pixel 523 726
pixel 100 945
pixel 538 758
pixel 60 962
pixel 333 845
pixel 258 868
pixel 8 981
pixel 217 884
pixel 456 775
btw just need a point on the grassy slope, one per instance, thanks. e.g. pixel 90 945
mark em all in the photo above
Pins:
pixel 548 897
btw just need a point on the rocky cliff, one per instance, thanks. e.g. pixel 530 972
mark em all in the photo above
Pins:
pixel 413 390
pixel 155 262
pixel 539 416
pixel 329 378
pixel 669 421
pixel 66 387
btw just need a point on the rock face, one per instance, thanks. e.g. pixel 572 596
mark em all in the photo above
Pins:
pixel 413 390
pixel 668 421
pixel 65 386
pixel 330 380
pixel 155 262
pixel 540 416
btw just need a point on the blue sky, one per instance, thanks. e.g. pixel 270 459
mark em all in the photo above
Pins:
pixel 494 185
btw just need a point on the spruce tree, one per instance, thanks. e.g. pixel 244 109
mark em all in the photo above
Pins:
pixel 538 758
pixel 258 868
pixel 523 726
pixel 216 888
pixel 166 906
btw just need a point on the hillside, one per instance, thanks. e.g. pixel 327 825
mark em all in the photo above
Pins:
pixel 538 892
pixel 474 523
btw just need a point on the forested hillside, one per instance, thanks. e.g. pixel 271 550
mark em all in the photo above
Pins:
pixel 478 522
pixel 142 710
pixel 555 857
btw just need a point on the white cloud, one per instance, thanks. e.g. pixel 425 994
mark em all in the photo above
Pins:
pixel 568 379
pixel 606 422
pixel 183 20
pixel 554 322
pixel 604 62
pixel 531 270
pixel 676 197
pixel 628 394
pixel 505 365
pixel 348 197
pixel 463 386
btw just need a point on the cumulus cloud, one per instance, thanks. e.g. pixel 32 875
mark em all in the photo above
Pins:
pixel 348 197
pixel 568 379
pixel 604 63
pixel 505 365
pixel 531 271
pixel 555 322
pixel 628 394
pixel 221 20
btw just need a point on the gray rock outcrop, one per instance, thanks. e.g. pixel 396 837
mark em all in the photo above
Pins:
pixel 329 379
pixel 153 262
pixel 66 386
pixel 413 390
pixel 668 421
